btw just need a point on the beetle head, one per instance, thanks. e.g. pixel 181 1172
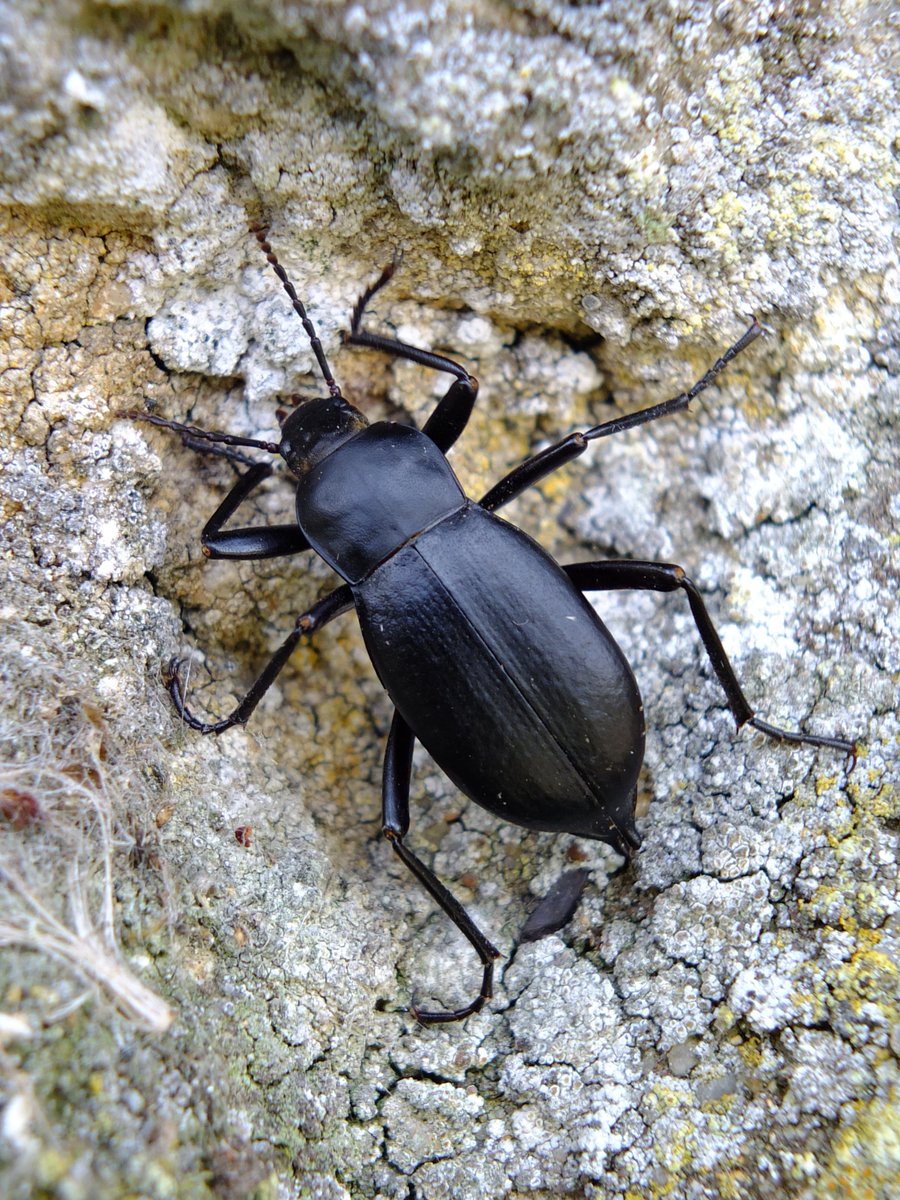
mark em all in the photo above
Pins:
pixel 315 428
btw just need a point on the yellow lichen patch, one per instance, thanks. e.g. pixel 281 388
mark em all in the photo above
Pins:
pixel 829 899
pixel 838 837
pixel 884 803
pixel 813 1004
pixel 556 487
pixel 868 977
pixel 865 1155
pixel 791 203
pixel 738 125
pixel 674 1162
pixel 824 783
pixel 751 1053
pixel 678 1154
pixel 732 1185
pixel 728 211
pixel 725 1019
pixel 51 1167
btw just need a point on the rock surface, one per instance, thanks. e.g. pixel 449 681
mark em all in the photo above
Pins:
pixel 209 950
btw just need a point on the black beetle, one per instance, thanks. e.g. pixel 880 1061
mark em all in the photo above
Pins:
pixel 489 650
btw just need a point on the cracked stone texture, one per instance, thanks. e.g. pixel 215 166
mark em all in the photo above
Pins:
pixel 588 199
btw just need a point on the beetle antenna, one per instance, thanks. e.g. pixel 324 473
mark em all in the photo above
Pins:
pixel 229 439
pixel 261 232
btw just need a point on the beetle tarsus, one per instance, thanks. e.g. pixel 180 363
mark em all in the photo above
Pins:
pixel 176 691
pixel 330 606
pixel 795 738
pixel 619 574
pixel 373 289
pixel 441 1017
pixel 487 953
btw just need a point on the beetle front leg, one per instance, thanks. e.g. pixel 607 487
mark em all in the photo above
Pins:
pixel 330 606
pixel 452 413
pixel 666 577
pixel 271 541
pixel 262 541
pixel 395 825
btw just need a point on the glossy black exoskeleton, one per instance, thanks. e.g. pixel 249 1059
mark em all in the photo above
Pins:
pixel 489 650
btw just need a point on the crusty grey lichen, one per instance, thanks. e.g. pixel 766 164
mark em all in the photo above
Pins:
pixel 588 200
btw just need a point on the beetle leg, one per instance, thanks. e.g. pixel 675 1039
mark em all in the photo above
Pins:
pixel 359 308
pixel 452 413
pixel 666 577
pixel 330 606
pixel 259 542
pixel 534 469
pixel 425 358
pixel 395 824
pixel 242 488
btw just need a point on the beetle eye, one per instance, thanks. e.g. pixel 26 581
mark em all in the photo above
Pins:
pixel 280 415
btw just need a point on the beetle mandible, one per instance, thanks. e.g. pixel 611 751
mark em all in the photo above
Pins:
pixel 540 721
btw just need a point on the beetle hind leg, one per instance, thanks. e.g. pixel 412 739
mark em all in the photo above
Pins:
pixel 616 575
pixel 395 819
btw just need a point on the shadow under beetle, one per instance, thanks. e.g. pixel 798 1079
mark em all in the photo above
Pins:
pixel 489 650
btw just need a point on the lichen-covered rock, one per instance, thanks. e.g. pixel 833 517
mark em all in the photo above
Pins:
pixel 208 951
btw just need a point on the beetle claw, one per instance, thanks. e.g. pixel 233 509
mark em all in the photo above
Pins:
pixel 446 1017
pixel 176 691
